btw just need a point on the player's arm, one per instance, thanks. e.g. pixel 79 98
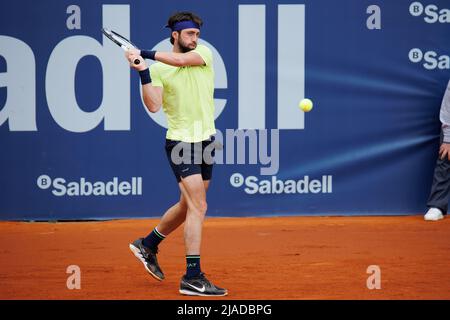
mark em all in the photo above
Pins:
pixel 173 58
pixel 179 59
pixel 152 96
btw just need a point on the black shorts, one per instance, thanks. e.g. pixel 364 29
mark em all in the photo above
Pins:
pixel 187 159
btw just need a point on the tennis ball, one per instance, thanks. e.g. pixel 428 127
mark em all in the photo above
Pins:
pixel 306 105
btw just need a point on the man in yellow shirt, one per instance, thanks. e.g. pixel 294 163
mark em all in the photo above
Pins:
pixel 182 81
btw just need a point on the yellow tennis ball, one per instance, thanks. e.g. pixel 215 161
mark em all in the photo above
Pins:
pixel 306 105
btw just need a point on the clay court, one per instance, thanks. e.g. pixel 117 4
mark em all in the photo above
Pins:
pixel 254 258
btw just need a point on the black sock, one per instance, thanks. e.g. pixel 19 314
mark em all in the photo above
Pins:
pixel 192 266
pixel 153 239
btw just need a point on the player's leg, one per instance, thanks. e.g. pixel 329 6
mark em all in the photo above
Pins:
pixel 194 282
pixel 146 249
pixel 171 220
pixel 176 215
pixel 193 190
pixel 173 217
pixel 194 152
pixel 193 186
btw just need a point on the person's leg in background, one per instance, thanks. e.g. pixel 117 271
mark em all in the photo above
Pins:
pixel 440 189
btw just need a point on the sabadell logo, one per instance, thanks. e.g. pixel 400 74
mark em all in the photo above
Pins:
pixel 254 185
pixel 61 187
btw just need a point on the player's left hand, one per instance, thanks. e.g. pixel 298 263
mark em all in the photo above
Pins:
pixel 134 51
pixel 444 151
pixel 132 55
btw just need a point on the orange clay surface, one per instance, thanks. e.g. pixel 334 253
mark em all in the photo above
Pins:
pixel 254 258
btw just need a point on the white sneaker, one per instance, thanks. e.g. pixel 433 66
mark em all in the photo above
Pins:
pixel 433 214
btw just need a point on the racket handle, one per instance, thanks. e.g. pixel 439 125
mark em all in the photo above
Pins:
pixel 137 61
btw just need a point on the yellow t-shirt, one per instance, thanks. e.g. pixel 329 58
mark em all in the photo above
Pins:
pixel 188 97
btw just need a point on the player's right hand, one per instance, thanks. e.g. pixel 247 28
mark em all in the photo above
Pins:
pixel 134 54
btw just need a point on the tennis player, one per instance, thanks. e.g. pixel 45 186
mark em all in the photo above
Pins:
pixel 182 81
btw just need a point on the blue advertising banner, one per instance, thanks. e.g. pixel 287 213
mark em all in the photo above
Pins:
pixel 77 142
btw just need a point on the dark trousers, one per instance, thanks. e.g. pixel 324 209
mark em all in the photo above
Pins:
pixel 440 189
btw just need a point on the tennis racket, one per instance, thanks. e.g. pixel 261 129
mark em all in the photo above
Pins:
pixel 121 41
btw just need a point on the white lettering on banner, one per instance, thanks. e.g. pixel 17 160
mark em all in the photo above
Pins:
pixel 86 188
pixel 20 81
pixel 432 12
pixel 253 185
pixel 114 110
pixel 291 66
pixel 252 66
pixel 432 60
pixel 60 80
